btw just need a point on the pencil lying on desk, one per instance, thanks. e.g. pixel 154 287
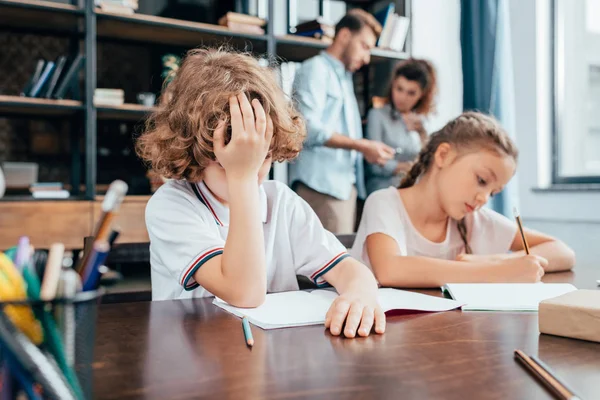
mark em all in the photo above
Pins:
pixel 520 224
pixel 546 376
pixel 247 332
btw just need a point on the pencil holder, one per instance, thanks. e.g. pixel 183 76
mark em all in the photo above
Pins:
pixel 47 347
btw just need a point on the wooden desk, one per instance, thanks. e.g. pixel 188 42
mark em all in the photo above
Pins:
pixel 191 349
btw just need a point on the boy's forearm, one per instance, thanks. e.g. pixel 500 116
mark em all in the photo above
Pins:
pixel 244 253
pixel 351 275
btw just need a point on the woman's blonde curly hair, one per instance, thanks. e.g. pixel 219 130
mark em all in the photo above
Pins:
pixel 178 140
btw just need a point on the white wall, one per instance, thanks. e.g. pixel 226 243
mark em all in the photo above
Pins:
pixel 436 36
pixel 572 216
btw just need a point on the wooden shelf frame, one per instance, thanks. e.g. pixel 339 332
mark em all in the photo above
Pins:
pixel 36 106
pixel 154 29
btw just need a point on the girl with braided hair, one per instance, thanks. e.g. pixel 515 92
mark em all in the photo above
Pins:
pixel 433 229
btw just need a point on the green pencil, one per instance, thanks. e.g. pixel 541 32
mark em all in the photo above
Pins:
pixel 247 332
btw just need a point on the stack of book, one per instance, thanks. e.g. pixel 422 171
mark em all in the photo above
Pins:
pixel 109 97
pixel 54 79
pixel 243 23
pixel 395 29
pixel 48 190
pixel 118 6
pixel 316 28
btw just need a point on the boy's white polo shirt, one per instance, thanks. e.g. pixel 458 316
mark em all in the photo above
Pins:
pixel 188 226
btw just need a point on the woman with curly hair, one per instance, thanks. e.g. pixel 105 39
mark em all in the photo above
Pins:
pixel 216 227
pixel 399 123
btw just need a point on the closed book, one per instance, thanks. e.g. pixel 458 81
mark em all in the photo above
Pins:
pixel 116 9
pixel 385 18
pixel 101 102
pixel 37 72
pixel 51 194
pixel 573 315
pixel 245 28
pixel 44 77
pixel 313 24
pixel 399 34
pixel 45 186
pixel 109 93
pixel 323 30
pixel 317 33
pixel 69 77
pixel 58 69
pixel 241 18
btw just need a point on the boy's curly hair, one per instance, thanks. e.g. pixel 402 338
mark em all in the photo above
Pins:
pixel 178 139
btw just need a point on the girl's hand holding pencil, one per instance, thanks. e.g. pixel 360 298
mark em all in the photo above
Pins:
pixel 508 268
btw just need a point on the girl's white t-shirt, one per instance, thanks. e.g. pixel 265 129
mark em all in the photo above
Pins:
pixel 488 232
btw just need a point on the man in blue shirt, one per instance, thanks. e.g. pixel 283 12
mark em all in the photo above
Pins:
pixel 328 174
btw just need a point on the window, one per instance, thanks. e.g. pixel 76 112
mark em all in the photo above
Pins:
pixel 577 91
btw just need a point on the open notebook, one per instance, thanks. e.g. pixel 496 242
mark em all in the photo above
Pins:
pixel 299 308
pixel 505 296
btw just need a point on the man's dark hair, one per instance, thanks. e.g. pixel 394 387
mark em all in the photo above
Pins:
pixel 356 19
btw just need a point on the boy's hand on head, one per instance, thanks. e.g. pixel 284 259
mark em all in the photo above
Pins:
pixel 360 311
pixel 251 134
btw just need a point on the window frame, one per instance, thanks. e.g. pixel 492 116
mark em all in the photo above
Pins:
pixel 557 65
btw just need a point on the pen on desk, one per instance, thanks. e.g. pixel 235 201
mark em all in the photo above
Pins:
pixel 520 224
pixel 548 378
pixel 110 208
pixel 247 332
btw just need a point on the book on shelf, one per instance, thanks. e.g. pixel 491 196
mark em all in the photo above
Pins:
pixel 315 24
pixel 59 65
pixel 70 79
pixel 244 28
pixel 36 89
pixel 241 19
pixel 394 32
pixel 45 187
pixel 37 72
pixel 51 194
pixel 384 17
pixel 48 190
pixel 317 28
pixel 109 97
pixel 118 6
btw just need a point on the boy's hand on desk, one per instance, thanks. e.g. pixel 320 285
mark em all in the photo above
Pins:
pixel 360 311
pixel 251 134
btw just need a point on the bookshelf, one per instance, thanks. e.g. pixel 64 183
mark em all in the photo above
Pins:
pixel 88 28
